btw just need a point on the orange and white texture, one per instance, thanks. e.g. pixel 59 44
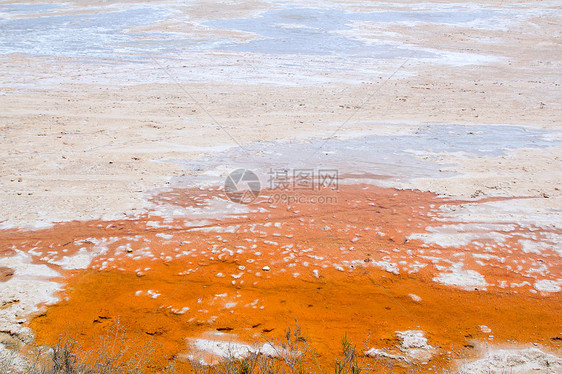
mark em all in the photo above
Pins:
pixel 439 248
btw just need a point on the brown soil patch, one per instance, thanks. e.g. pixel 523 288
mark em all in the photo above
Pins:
pixel 5 273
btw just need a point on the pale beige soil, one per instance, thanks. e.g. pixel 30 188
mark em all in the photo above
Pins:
pixel 88 151
pixel 92 149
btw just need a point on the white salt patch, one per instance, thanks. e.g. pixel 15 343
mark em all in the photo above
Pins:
pixel 462 234
pixel 524 211
pixel 413 348
pixel 226 229
pixel 468 279
pixel 531 246
pixel 152 294
pixel 485 256
pixel 24 269
pixel 180 311
pixel 414 344
pixel 390 267
pixel 415 297
pixel 375 352
pixel 413 339
pixel 81 260
pixel 21 294
pixel 515 361
pixel 28 226
pixel 11 362
pixel 316 257
pixel 524 283
pixel 164 236
pixel 485 329
pixel 228 349
pixel 153 224
pixel 547 286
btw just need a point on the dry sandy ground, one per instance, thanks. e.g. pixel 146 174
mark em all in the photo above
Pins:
pixel 87 138
pixel 92 148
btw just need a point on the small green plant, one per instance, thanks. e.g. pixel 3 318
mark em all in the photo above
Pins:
pixel 349 363
pixel 244 367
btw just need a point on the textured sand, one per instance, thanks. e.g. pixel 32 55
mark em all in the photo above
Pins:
pixel 83 141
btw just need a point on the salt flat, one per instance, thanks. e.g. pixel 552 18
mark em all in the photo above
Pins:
pixel 111 109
